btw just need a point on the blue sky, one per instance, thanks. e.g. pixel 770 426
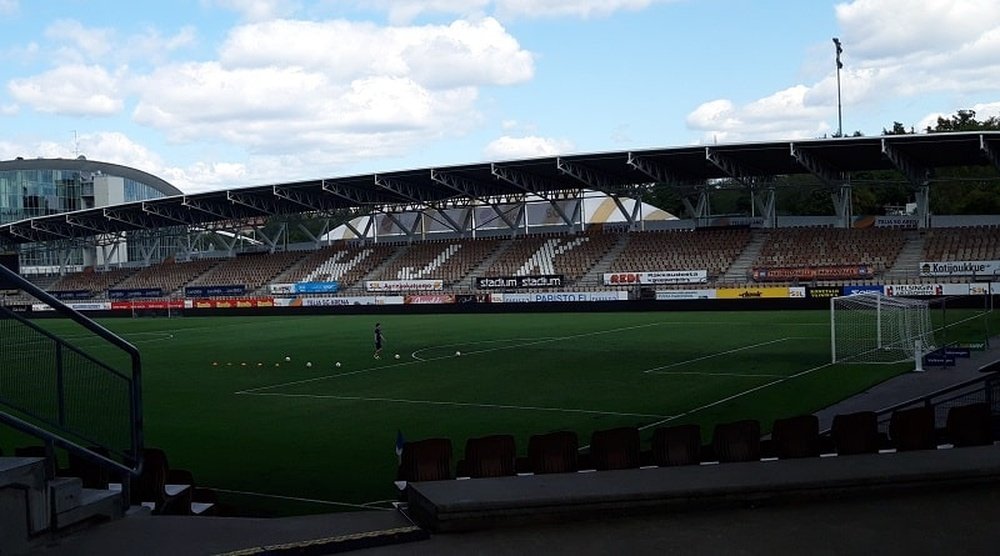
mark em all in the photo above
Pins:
pixel 211 94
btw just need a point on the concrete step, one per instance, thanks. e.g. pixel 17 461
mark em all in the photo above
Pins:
pixel 93 504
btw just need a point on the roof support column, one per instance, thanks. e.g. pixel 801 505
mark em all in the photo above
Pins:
pixel 703 209
pixel 917 174
pixel 842 206
pixel 763 203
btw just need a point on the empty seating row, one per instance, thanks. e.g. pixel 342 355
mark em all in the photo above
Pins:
pixel 737 441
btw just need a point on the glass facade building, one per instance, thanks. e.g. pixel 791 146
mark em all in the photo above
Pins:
pixel 31 188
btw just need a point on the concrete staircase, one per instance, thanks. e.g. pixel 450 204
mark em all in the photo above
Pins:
pixel 359 287
pixel 737 271
pixel 907 264
pixel 466 283
pixel 34 507
pixel 595 276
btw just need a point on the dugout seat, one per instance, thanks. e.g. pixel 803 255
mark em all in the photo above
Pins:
pixel 677 445
pixel 913 429
pixel 970 425
pixel 615 448
pixel 554 452
pixel 737 441
pixel 855 433
pixel 488 456
pixel 795 437
pixel 425 460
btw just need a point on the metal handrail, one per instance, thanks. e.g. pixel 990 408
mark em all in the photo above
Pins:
pixel 11 279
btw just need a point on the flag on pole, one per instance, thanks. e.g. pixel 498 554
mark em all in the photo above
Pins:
pixel 400 442
pixel 840 50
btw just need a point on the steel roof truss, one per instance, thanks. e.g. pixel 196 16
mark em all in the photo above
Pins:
pixel 305 198
pixel 657 172
pixel 404 189
pixel 915 172
pixel 817 167
pixel 254 202
pixel 989 151
pixel 52 227
pixel 223 211
pixel 465 186
pixel 351 194
pixel 101 225
pixel 168 212
pixel 733 168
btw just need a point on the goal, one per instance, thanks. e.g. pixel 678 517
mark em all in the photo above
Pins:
pixel 874 328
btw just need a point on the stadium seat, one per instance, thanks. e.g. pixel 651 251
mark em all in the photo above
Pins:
pixel 795 437
pixel 737 441
pixel 203 500
pixel 855 433
pixel 91 474
pixel 913 429
pixel 970 425
pixel 615 448
pixel 555 452
pixel 488 456
pixel 151 486
pixel 678 445
pixel 426 460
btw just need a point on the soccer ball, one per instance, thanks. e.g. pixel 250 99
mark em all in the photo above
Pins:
pixel 458 353
pixel 287 358
pixel 397 356
pixel 338 363
pixel 309 364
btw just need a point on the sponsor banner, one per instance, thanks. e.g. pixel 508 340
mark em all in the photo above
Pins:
pixel 19 308
pixel 515 282
pixel 562 297
pixel 38 308
pixel 428 299
pixel 797 292
pixel 904 222
pixel 279 289
pixel 670 295
pixel 751 293
pixel 653 278
pixel 403 285
pixel 854 290
pixel 916 289
pixel 352 300
pixel 473 298
pixel 825 292
pixel 71 294
pixel 317 287
pixel 215 291
pixel 979 289
pixel 959 268
pixel 246 303
pixel 134 293
pixel 93 306
pixel 147 304
pixel 832 272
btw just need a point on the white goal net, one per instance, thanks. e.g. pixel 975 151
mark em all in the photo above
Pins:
pixel 874 328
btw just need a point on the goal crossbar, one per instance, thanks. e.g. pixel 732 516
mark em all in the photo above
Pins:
pixel 874 328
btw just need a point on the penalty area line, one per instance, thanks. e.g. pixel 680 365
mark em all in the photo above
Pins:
pixel 712 355
pixel 456 404
pixel 735 396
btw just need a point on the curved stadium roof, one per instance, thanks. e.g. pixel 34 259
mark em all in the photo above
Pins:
pixel 614 173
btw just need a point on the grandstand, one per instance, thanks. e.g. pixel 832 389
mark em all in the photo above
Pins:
pixel 655 393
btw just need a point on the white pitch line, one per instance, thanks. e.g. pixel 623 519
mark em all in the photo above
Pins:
pixel 299 499
pixel 457 404
pixel 712 355
pixel 735 396
pixel 700 373
pixel 397 365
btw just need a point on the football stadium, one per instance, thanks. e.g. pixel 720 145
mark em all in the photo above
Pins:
pixel 556 343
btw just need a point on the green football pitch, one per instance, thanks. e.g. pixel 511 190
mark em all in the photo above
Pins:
pixel 278 437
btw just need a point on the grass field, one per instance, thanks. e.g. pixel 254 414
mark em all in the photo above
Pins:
pixel 222 401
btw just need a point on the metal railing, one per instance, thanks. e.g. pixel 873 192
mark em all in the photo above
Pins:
pixel 81 393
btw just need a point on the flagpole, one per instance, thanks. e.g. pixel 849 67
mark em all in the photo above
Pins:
pixel 840 112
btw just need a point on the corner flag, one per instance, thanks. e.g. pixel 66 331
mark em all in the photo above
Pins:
pixel 400 441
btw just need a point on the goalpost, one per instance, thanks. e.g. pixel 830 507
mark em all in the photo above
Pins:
pixel 874 328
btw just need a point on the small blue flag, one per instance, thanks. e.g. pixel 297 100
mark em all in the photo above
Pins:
pixel 400 441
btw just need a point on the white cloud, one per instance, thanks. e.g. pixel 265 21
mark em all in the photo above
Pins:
pixel 77 90
pixel 506 147
pixel 259 10
pixel 403 11
pixel 79 44
pixel 893 50
pixel 9 109
pixel 8 7
pixel 290 86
